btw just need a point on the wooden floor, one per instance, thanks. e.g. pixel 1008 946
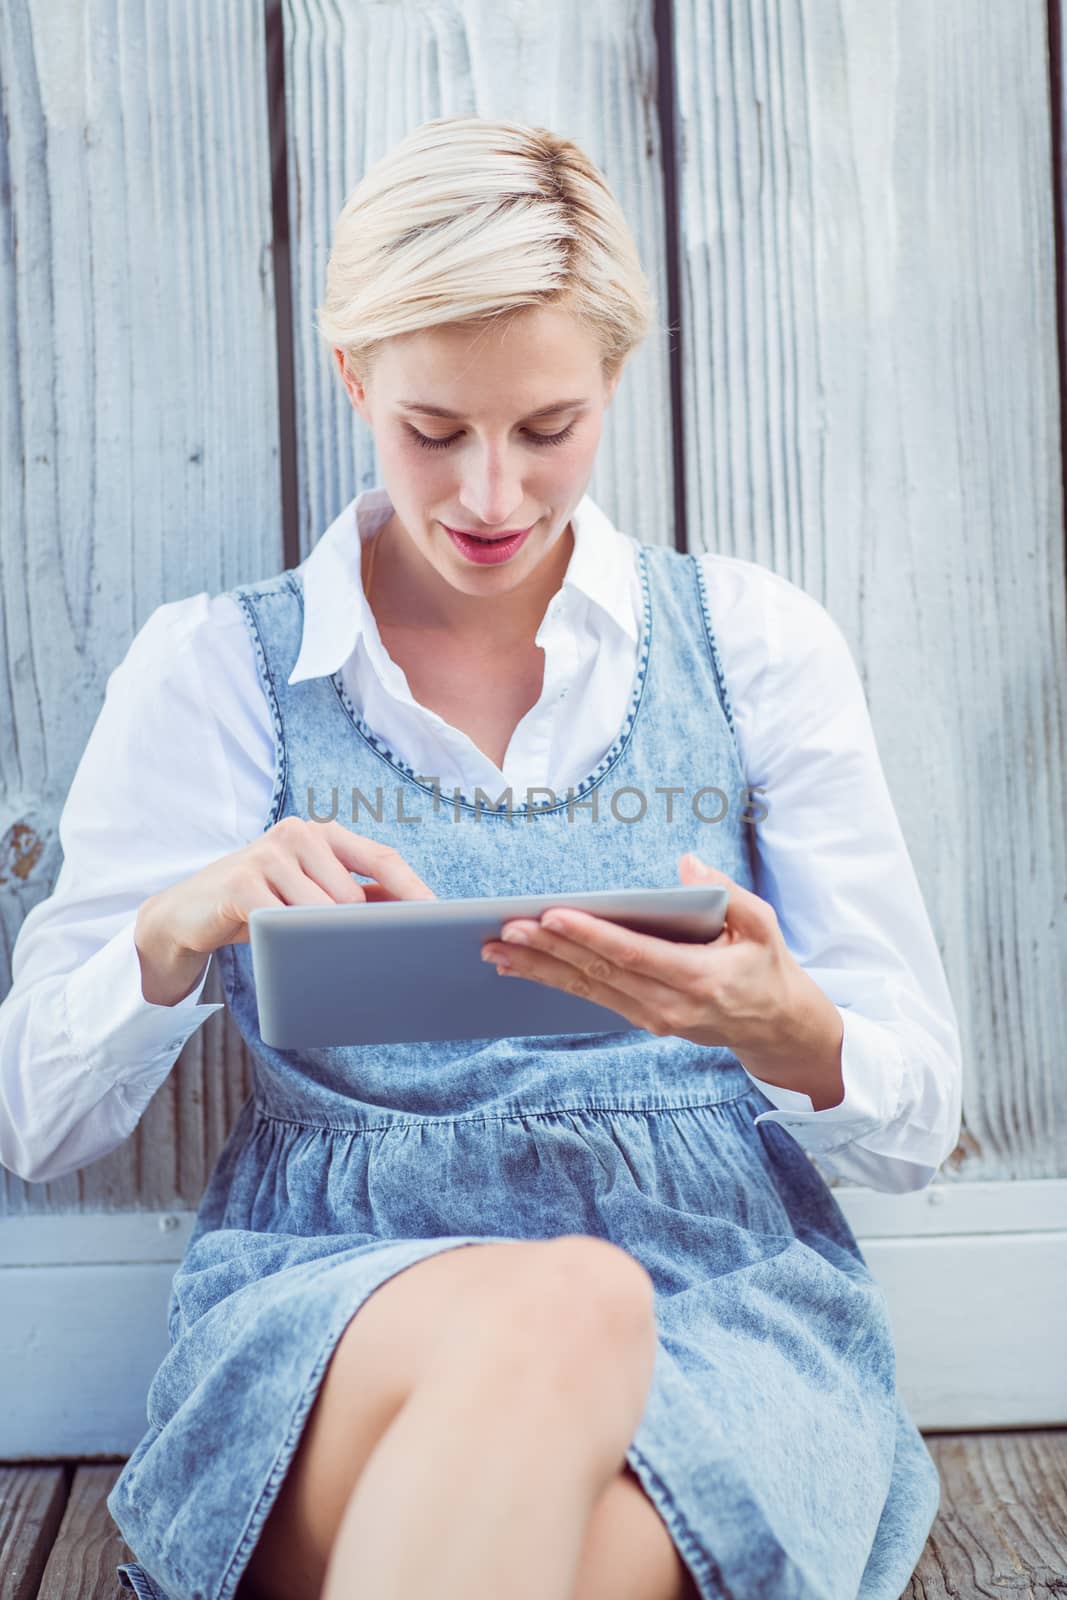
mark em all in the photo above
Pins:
pixel 1001 1531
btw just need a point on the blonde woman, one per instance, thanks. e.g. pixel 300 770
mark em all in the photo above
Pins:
pixel 666 1370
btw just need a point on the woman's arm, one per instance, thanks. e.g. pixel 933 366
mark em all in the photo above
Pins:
pixel 173 776
pixel 833 863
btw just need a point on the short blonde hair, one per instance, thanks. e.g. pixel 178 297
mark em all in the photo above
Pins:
pixel 468 221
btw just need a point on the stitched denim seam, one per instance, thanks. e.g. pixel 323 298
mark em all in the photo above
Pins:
pixel 499 1117
pixel 281 1464
pixel 707 1571
pixel 143 1578
pixel 179 1570
pixel 281 773
pixel 586 786
pixel 713 651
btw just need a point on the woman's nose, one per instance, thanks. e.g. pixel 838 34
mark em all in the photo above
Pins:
pixel 493 494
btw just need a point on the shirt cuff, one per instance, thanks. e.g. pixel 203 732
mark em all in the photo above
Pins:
pixel 872 1067
pixel 111 1025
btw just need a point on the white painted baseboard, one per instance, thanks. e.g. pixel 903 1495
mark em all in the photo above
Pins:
pixel 975 1276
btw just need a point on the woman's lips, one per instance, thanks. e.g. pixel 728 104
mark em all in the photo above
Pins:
pixel 488 552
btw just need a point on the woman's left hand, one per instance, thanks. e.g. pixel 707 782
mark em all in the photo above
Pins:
pixel 740 990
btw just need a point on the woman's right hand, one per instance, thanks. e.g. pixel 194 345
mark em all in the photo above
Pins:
pixel 295 863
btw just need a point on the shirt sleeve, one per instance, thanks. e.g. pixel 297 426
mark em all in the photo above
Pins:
pixel 833 862
pixel 172 778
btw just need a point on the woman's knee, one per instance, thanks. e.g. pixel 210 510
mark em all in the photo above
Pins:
pixel 599 1285
pixel 574 1305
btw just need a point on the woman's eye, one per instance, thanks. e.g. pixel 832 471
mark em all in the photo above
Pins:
pixel 534 438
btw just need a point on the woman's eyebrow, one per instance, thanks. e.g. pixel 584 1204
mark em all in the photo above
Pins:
pixel 455 416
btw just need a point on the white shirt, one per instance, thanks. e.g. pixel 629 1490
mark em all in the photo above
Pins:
pixel 179 770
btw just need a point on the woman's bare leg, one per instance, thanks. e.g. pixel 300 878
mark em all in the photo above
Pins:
pixel 486 1478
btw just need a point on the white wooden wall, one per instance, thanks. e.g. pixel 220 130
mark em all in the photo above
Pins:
pixel 859 203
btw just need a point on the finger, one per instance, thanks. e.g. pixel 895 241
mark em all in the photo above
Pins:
pixel 397 879
pixel 746 913
pixel 296 887
pixel 316 855
pixel 242 905
pixel 652 994
pixel 665 961
pixel 374 892
pixel 539 967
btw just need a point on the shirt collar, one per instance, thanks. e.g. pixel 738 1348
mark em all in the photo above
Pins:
pixel 336 611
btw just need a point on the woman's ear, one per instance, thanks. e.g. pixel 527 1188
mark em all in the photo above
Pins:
pixel 353 386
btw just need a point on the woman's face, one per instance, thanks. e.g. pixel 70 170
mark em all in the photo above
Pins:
pixel 527 401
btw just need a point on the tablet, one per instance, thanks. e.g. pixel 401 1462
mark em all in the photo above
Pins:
pixel 401 971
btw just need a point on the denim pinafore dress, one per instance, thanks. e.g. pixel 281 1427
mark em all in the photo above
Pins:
pixel 773 1443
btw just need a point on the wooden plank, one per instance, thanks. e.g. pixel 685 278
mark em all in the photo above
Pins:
pixel 31 1509
pixel 1002 1524
pixel 872 410
pixel 88 1546
pixel 359 79
pixel 138 428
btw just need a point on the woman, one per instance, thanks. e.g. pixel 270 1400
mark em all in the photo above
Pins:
pixel 667 1370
